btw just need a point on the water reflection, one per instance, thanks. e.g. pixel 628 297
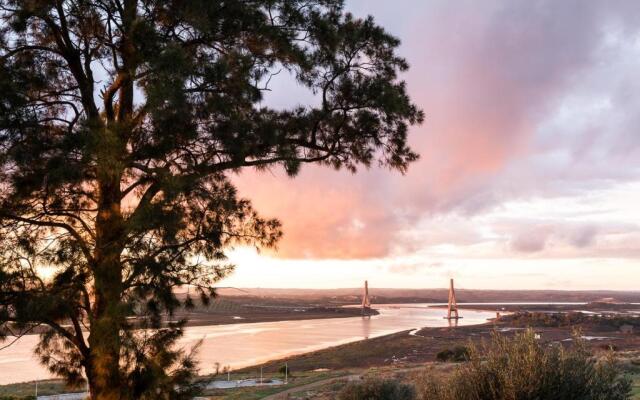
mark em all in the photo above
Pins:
pixel 237 347
pixel 366 326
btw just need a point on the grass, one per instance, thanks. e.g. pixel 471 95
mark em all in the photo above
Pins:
pixel 244 393
pixel 26 389
pixel 257 392
pixel 631 363
pixel 635 392
pixel 50 387
pixel 330 389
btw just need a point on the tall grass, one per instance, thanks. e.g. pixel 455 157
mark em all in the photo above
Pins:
pixel 523 368
pixel 372 389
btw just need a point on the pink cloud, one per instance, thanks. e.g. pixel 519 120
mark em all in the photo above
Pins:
pixel 489 76
pixel 325 214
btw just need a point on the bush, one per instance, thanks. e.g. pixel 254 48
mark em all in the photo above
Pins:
pixel 372 389
pixel 522 368
pixel 573 318
pixel 608 347
pixel 458 353
pixel 284 370
pixel 444 355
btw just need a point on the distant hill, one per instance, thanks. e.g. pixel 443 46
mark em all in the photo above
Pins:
pixel 439 295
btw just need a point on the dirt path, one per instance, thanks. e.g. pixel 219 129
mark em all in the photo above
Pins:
pixel 284 394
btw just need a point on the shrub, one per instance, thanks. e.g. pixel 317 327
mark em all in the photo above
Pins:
pixel 608 347
pixel 458 353
pixel 444 355
pixel 373 389
pixel 523 368
pixel 284 370
pixel 574 318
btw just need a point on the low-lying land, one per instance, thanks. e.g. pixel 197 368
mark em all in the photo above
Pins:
pixel 387 295
pixel 250 309
pixel 263 305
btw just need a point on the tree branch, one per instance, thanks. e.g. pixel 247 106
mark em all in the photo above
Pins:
pixel 53 224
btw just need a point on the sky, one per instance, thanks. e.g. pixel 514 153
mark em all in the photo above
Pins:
pixel 529 176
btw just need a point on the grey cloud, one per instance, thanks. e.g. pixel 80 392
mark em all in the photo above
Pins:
pixel 584 236
pixel 532 241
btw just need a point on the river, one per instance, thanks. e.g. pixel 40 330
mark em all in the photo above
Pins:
pixel 242 345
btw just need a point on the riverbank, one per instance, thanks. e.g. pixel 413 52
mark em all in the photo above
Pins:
pixel 423 345
pixel 241 345
pixel 416 350
pixel 410 348
pixel 272 314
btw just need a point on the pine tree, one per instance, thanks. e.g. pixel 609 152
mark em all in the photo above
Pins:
pixel 121 122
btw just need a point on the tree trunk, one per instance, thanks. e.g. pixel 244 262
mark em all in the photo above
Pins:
pixel 104 339
pixel 108 311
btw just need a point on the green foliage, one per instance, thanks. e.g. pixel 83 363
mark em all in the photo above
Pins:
pixel 285 370
pixel 377 389
pixel 121 123
pixel 523 368
pixel 458 353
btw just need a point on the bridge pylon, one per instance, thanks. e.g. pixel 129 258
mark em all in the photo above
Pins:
pixel 452 309
pixel 366 301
